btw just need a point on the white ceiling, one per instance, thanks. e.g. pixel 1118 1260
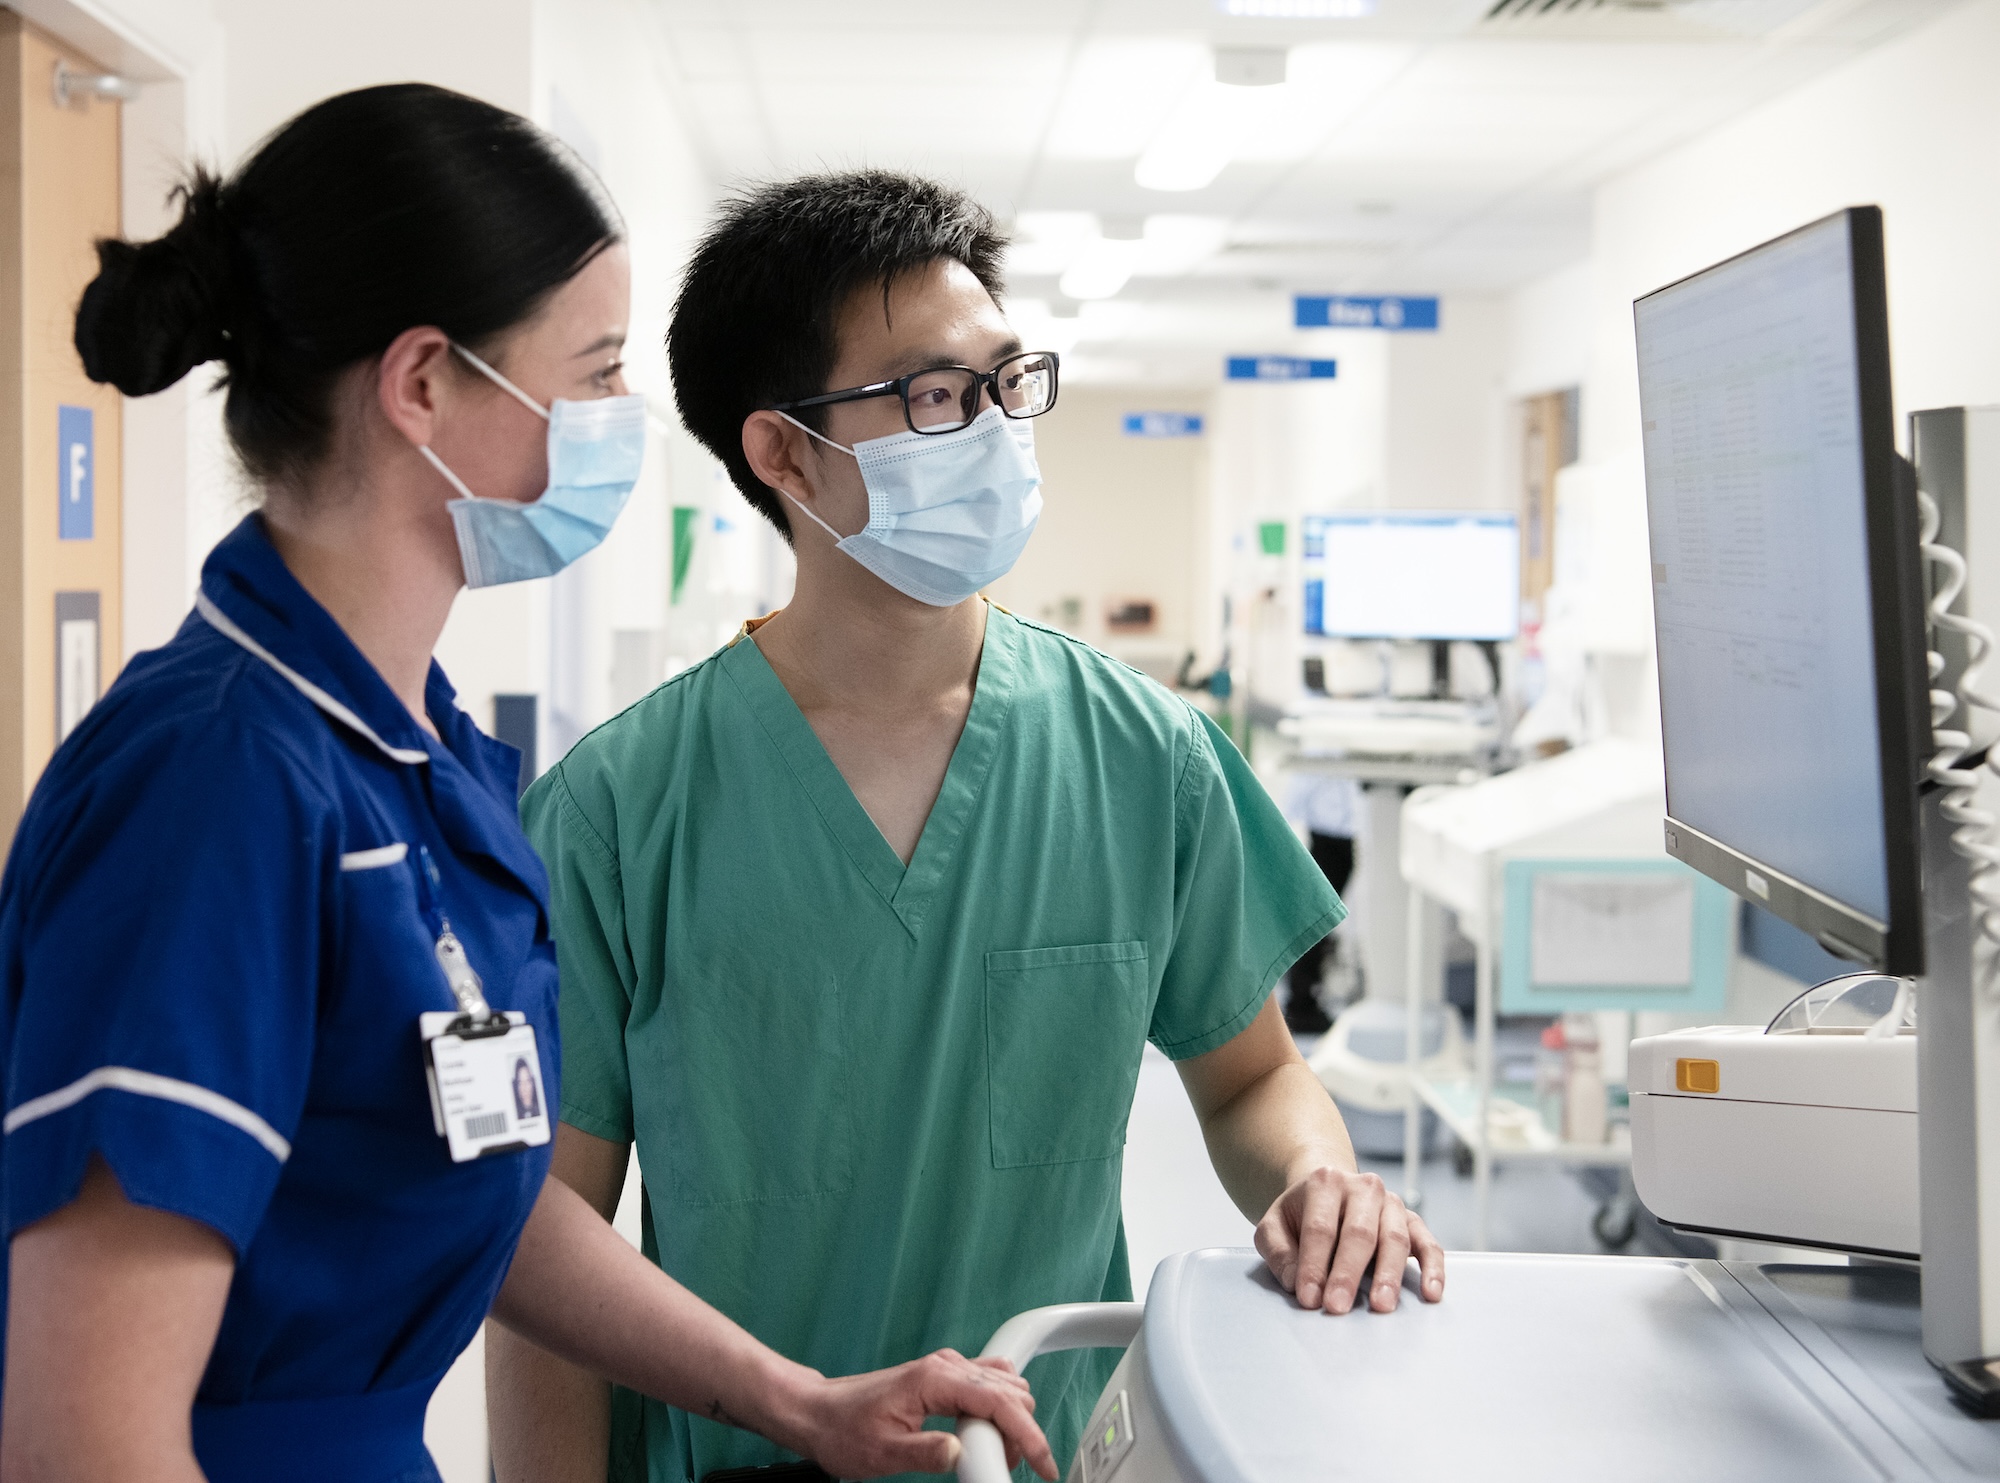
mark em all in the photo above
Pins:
pixel 1429 148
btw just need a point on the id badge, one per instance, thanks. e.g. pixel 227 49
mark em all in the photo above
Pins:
pixel 486 1090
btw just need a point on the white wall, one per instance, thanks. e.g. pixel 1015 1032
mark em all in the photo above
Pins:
pixel 1548 327
pixel 1122 518
pixel 1910 127
pixel 1446 410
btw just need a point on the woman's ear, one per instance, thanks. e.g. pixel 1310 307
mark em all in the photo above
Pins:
pixel 410 382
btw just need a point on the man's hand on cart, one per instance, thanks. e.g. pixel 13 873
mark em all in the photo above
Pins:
pixel 865 1426
pixel 1321 1235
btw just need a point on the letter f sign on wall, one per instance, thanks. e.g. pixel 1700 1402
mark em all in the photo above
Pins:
pixel 76 459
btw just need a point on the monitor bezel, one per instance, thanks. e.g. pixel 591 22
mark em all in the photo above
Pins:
pixel 1897 615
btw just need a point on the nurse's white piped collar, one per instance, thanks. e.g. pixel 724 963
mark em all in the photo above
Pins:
pixel 215 618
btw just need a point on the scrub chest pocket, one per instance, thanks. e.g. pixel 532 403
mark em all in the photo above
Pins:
pixel 1065 1028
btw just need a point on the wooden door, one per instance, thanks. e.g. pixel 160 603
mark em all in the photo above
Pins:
pixel 1548 445
pixel 60 509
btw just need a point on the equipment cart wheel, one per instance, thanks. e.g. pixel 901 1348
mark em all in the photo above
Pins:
pixel 1615 1222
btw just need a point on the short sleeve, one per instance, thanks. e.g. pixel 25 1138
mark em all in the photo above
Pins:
pixel 588 917
pixel 1248 899
pixel 163 925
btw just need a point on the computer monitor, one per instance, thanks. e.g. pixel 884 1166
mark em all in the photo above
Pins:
pixel 1786 587
pixel 1381 574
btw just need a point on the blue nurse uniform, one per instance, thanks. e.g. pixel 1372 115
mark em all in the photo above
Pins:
pixel 213 953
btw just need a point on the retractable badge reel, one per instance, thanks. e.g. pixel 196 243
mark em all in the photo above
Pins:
pixel 484 1073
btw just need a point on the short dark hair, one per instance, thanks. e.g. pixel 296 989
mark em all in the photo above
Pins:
pixel 755 320
pixel 367 215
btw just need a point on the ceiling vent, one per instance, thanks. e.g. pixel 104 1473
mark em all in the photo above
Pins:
pixel 1688 18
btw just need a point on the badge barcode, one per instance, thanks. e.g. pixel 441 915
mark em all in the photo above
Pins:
pixel 485 1124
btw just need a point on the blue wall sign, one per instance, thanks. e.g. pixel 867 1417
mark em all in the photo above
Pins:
pixel 1279 368
pixel 1357 312
pixel 1162 425
pixel 76 473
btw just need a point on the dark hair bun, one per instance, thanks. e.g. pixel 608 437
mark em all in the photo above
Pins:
pixel 156 310
pixel 369 214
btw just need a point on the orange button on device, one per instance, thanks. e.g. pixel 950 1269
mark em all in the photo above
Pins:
pixel 1697 1076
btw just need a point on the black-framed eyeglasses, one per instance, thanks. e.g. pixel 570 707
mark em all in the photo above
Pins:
pixel 945 399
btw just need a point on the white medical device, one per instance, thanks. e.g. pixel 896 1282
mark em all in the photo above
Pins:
pixel 1803 1132
pixel 1541 1369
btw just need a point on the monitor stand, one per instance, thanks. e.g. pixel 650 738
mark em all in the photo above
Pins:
pixel 1958 1132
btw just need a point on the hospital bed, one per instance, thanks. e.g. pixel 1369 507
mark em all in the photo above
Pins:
pixel 1556 1369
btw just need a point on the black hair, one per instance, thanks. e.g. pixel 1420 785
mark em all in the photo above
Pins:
pixel 368 214
pixel 756 319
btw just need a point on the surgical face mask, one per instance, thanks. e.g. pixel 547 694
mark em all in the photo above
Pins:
pixel 595 449
pixel 947 512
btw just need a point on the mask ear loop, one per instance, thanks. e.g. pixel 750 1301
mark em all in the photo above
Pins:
pixel 502 382
pixel 505 385
pixel 439 464
pixel 794 498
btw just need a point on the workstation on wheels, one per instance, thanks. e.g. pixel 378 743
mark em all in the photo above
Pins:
pixel 1822 728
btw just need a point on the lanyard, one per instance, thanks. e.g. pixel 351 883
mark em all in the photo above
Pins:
pixel 475 1015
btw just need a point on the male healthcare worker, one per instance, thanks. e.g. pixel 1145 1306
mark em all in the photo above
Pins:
pixel 277 995
pixel 865 921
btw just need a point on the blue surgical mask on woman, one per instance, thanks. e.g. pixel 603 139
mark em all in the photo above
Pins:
pixel 948 513
pixel 595 450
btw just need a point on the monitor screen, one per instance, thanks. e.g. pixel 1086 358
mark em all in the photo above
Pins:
pixel 1412 575
pixel 1759 390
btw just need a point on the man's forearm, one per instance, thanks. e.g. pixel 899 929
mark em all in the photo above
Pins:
pixel 1272 1133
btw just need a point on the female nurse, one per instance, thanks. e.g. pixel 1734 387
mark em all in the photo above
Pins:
pixel 279 1021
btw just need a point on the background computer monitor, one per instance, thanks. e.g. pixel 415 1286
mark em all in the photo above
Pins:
pixel 1412 575
pixel 1786 590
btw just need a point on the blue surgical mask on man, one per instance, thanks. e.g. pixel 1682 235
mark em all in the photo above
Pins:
pixel 595 450
pixel 948 513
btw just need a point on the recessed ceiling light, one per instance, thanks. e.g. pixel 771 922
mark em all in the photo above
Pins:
pixel 1298 10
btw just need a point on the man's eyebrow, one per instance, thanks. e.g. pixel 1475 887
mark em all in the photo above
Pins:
pixel 938 361
pixel 610 340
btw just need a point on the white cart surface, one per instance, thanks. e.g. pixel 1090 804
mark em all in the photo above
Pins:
pixel 1543 1368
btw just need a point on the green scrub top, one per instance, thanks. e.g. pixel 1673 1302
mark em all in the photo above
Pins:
pixel 880 1110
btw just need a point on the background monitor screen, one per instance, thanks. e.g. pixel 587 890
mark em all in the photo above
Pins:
pixel 1751 391
pixel 1401 575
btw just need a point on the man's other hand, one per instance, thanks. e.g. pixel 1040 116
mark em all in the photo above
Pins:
pixel 1320 1237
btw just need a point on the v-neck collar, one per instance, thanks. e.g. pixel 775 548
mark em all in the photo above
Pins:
pixel 906 890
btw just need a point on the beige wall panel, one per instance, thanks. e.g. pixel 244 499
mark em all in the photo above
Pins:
pixel 61 183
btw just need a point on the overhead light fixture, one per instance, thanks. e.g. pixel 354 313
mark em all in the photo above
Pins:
pixel 1219 115
pixel 1100 268
pixel 1297 10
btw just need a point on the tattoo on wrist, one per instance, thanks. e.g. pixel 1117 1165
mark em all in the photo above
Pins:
pixel 716 1412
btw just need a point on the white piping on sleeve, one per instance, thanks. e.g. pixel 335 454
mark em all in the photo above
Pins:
pixel 377 858
pixel 150 1084
pixel 216 619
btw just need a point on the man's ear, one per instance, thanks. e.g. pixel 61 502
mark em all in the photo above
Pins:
pixel 778 454
pixel 409 380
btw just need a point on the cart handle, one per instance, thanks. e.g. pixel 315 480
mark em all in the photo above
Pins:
pixel 982 1456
